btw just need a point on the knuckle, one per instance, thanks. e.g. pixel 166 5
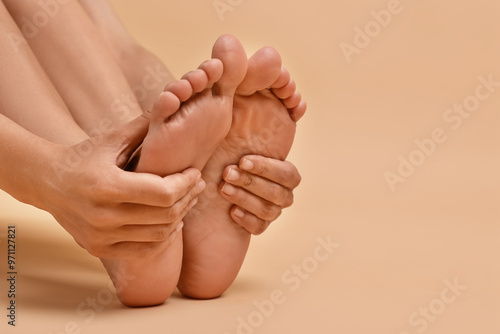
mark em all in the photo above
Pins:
pixel 95 249
pixel 101 219
pixel 276 193
pixel 248 181
pixel 292 174
pixel 161 233
pixel 102 190
pixel 289 200
pixel 174 212
pixel 269 211
pixel 260 228
pixel 169 198
pixel 262 169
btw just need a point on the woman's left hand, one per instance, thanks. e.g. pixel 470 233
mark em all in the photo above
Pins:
pixel 260 188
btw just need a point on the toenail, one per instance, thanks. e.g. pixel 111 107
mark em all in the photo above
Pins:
pixel 229 189
pixel 232 175
pixel 239 213
pixel 247 165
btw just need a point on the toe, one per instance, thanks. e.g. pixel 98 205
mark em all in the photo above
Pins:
pixel 286 91
pixel 213 69
pixel 292 101
pixel 198 80
pixel 264 68
pixel 233 57
pixel 283 79
pixel 180 88
pixel 299 111
pixel 165 106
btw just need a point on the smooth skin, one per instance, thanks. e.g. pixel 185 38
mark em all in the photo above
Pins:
pixel 88 214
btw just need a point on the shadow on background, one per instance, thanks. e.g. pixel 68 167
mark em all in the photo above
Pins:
pixel 53 271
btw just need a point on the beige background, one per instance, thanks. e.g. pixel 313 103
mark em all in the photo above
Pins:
pixel 396 248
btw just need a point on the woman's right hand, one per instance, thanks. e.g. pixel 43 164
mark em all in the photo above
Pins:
pixel 110 212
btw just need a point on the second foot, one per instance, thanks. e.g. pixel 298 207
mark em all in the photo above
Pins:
pixel 266 108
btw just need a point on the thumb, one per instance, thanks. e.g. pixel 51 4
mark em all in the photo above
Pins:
pixel 128 137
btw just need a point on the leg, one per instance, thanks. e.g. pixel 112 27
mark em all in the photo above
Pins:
pixel 27 94
pixel 84 73
pixel 266 106
pixel 128 275
pixel 145 73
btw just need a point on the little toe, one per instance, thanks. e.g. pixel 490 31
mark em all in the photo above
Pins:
pixel 299 111
pixel 213 69
pixel 293 100
pixel 230 52
pixel 165 106
pixel 264 69
pixel 180 88
pixel 287 91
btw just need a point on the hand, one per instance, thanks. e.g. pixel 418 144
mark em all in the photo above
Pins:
pixel 260 188
pixel 113 213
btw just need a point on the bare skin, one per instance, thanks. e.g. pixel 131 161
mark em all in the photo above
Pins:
pixel 111 213
pixel 215 247
pixel 121 241
pixel 182 136
pixel 192 134
pixel 145 73
pixel 134 61
pixel 110 99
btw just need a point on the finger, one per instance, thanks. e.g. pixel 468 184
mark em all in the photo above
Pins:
pixel 142 222
pixel 130 250
pixel 281 172
pixel 128 137
pixel 143 233
pixel 153 190
pixel 261 208
pixel 251 223
pixel 259 186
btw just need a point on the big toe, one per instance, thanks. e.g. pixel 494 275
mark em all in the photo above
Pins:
pixel 264 68
pixel 229 50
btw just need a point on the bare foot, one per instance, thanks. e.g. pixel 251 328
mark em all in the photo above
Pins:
pixel 188 137
pixel 266 106
pixel 181 136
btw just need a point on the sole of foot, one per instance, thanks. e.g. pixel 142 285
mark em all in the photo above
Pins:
pixel 265 110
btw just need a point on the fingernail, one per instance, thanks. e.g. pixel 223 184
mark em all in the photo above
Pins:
pixel 232 175
pixel 200 186
pixel 179 227
pixel 238 213
pixel 228 189
pixel 246 165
